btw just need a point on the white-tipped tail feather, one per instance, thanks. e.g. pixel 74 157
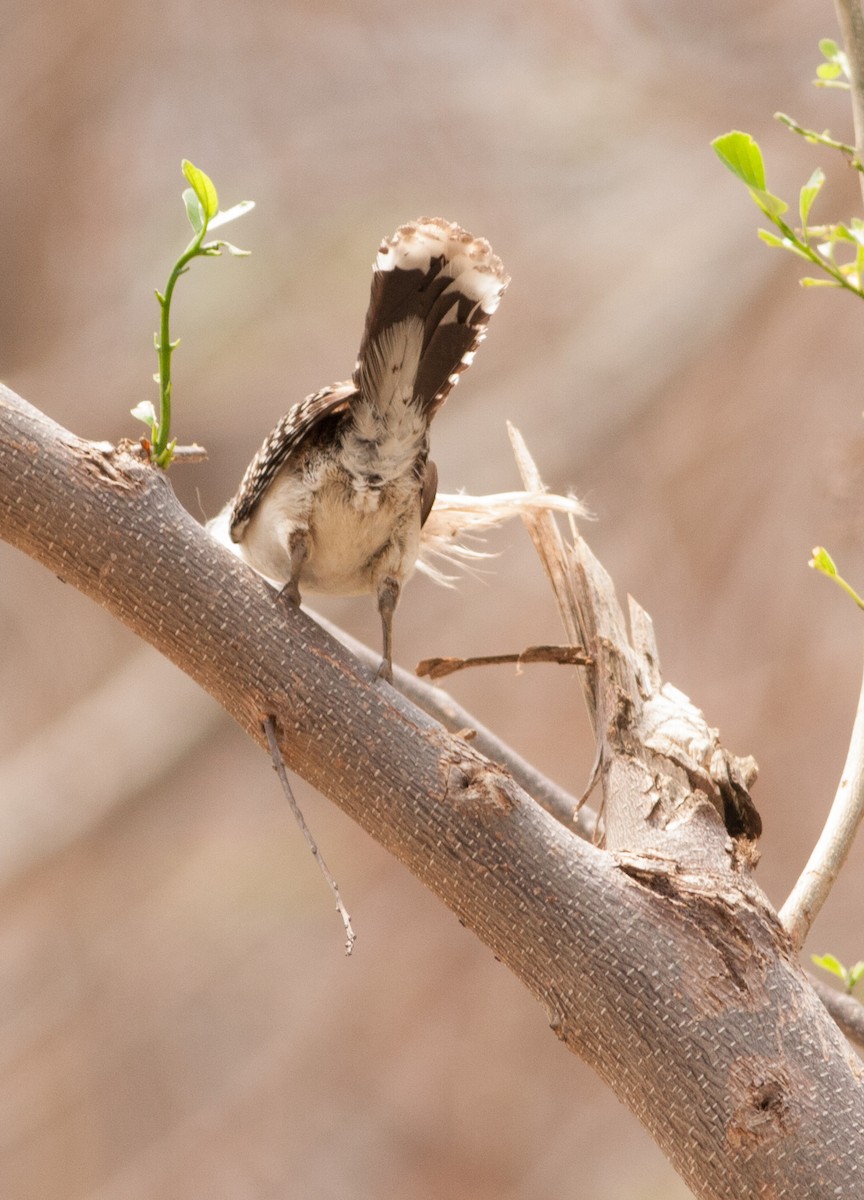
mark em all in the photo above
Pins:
pixel 477 272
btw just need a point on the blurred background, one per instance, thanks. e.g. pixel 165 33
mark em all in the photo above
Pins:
pixel 177 1019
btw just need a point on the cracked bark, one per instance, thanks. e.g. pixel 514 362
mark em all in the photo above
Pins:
pixel 657 960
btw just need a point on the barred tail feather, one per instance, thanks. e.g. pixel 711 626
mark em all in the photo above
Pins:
pixel 434 274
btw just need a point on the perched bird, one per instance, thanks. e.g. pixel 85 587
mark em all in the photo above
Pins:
pixel 335 499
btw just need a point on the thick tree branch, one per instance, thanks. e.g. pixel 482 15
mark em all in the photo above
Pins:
pixel 456 719
pixel 675 982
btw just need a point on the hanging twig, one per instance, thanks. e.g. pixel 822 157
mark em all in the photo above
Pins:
pixel 279 767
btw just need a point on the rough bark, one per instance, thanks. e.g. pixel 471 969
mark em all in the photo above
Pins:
pixel 673 979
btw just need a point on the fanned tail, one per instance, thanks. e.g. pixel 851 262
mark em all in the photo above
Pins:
pixel 439 285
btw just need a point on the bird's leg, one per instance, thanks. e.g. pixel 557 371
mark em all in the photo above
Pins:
pixel 298 548
pixel 388 597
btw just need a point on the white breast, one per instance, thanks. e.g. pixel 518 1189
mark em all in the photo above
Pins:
pixel 355 536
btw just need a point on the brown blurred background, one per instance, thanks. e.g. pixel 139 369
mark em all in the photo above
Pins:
pixel 177 1019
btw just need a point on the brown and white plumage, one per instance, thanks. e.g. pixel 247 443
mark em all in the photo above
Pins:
pixel 335 499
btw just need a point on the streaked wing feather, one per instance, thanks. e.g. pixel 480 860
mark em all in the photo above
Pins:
pixel 283 441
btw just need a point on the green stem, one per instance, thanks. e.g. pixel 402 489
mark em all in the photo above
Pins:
pixel 820 139
pixel 849 590
pixel 827 267
pixel 165 348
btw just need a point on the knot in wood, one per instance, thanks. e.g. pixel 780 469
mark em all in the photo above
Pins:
pixel 761 1113
pixel 480 784
pixel 110 465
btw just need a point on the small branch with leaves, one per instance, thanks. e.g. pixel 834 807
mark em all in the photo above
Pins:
pixel 849 976
pixel 822 562
pixel 202 209
pixel 816 244
pixel 819 245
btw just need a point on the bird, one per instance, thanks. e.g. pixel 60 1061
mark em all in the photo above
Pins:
pixel 336 497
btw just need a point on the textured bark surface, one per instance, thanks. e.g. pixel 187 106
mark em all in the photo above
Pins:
pixel 674 982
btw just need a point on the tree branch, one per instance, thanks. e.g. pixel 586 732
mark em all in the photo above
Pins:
pixel 666 972
pixel 832 849
pixel 851 23
pixel 439 704
pixel 846 1010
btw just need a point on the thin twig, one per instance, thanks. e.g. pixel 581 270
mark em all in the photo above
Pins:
pixel 140 448
pixel 279 767
pixel 851 23
pixel 438 668
pixel 188 454
pixel 830 852
pixel 845 1009
pixel 819 139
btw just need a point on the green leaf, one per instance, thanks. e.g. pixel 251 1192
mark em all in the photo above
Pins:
pixel 194 211
pixel 828 47
pixel 234 250
pixel 795 248
pixel 785 243
pixel 741 154
pixel 809 192
pixel 829 963
pixel 771 205
pixel 808 281
pixel 230 214
pixel 839 232
pixel 822 561
pixel 771 239
pixel 202 185
pixel 828 70
pixel 855 974
pixel 146 413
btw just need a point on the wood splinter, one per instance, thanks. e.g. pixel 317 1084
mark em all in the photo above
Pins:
pixel 437 668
